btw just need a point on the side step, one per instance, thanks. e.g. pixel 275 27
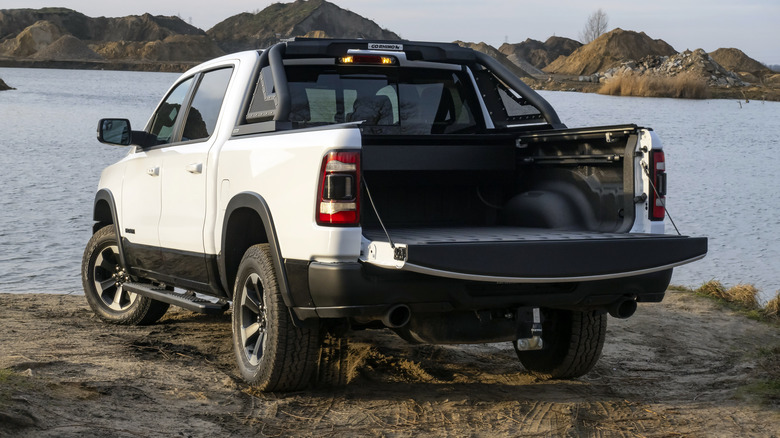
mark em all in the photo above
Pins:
pixel 187 300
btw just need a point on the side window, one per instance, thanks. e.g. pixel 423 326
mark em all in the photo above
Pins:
pixel 204 111
pixel 165 117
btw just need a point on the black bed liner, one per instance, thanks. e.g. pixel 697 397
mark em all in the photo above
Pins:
pixel 539 254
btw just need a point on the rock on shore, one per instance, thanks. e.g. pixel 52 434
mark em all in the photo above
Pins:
pixel 697 62
pixel 4 86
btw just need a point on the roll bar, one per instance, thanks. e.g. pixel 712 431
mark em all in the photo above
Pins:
pixel 527 92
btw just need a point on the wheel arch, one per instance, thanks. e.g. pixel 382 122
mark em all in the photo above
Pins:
pixel 248 221
pixel 104 213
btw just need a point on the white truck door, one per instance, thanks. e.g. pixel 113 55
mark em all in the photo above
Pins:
pixel 185 172
pixel 141 187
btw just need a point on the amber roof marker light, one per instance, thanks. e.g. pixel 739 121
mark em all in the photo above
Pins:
pixel 368 60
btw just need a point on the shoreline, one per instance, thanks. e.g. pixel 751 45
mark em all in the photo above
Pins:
pixel 553 83
pixel 572 84
pixel 143 66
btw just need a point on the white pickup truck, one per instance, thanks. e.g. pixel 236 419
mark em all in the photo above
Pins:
pixel 331 185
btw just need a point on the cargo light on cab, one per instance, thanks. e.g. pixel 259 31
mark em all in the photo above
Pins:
pixel 368 60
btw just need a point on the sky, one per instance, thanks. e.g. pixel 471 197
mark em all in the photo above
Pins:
pixel 752 26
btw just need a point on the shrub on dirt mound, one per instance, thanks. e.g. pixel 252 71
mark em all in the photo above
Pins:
pixel 737 61
pixel 608 51
pixel 67 47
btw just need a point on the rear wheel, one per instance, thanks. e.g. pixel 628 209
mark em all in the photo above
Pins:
pixel 102 277
pixel 333 362
pixel 572 344
pixel 272 354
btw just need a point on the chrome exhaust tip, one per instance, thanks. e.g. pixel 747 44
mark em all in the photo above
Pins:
pixel 398 316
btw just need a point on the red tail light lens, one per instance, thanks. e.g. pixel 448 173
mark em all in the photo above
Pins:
pixel 339 198
pixel 658 194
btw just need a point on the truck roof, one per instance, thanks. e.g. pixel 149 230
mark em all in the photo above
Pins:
pixel 415 50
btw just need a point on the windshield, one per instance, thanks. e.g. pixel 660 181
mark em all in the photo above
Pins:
pixel 386 100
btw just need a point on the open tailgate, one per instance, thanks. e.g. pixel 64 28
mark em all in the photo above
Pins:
pixel 527 255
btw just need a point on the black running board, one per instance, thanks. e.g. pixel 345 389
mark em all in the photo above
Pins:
pixel 187 301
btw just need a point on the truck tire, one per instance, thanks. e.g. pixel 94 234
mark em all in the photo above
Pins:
pixel 272 353
pixel 102 278
pixel 572 344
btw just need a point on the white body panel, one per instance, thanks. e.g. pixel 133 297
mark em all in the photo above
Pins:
pixel 140 200
pixel 284 169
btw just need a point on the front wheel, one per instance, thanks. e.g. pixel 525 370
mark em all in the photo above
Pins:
pixel 272 354
pixel 102 277
pixel 572 344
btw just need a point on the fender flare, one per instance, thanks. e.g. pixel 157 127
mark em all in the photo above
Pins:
pixel 256 203
pixel 105 195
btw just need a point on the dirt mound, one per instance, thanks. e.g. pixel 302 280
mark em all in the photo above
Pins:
pixel 316 34
pixel 65 35
pixel 286 20
pixel 608 51
pixel 487 49
pixel 145 27
pixel 175 48
pixel 66 48
pixel 32 39
pixel 737 61
pixel 538 53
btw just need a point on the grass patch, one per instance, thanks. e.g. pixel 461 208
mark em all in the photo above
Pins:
pixel 10 382
pixel 772 308
pixel 767 388
pixel 742 298
pixel 684 85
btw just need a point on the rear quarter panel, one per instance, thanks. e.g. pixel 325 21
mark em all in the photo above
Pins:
pixel 283 168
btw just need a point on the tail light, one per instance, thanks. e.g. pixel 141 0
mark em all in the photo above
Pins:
pixel 658 191
pixel 338 202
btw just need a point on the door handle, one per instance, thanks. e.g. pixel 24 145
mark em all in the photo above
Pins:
pixel 153 171
pixel 195 168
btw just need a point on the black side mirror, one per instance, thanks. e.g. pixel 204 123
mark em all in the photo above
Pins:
pixel 114 131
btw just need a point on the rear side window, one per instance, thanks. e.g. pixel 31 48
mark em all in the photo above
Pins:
pixel 201 114
pixel 385 100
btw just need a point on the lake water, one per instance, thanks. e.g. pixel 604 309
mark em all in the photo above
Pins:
pixel 722 178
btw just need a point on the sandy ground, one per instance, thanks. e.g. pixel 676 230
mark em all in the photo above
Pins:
pixel 680 368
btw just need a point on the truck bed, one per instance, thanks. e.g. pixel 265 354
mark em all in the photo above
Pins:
pixel 519 254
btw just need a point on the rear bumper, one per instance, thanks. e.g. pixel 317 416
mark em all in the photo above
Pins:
pixel 360 290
